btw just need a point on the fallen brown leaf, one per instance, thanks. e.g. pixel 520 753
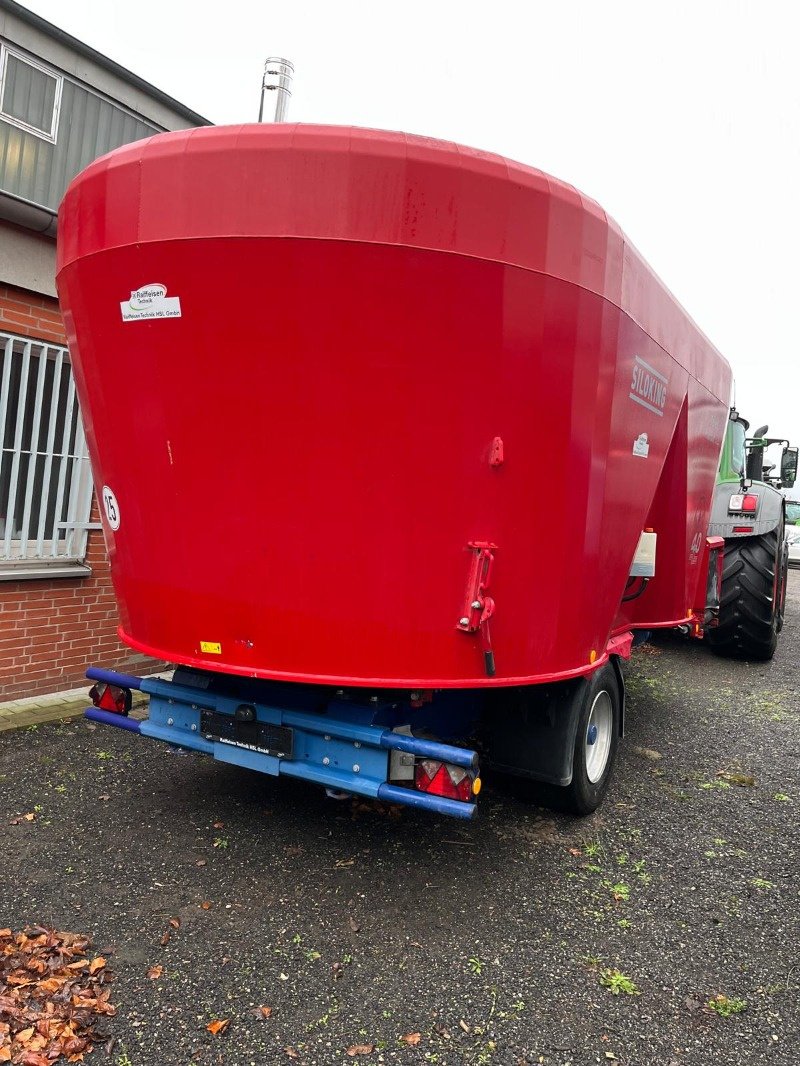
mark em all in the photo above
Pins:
pixel 175 923
pixel 360 1049
pixel 219 825
pixel 49 1018
pixel 266 1011
pixel 105 797
pixel 218 1026
pixel 33 1058
pixel 201 862
pixel 411 1038
pixel 291 1053
pixel 206 906
pixel 164 939
pixel 155 972
pixel 51 984
pixel 353 924
pixel 742 780
pixel 648 753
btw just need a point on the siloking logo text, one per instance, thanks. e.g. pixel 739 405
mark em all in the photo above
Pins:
pixel 648 386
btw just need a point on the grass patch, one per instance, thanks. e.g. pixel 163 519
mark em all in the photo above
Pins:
pixel 725 1006
pixel 618 983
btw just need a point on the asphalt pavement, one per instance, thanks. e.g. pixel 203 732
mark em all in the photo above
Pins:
pixel 662 930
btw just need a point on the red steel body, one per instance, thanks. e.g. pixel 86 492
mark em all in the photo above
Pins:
pixel 389 348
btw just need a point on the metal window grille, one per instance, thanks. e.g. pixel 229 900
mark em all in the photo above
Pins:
pixel 45 478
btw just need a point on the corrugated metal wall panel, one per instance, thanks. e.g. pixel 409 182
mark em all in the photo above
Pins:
pixel 25 162
pixel 89 126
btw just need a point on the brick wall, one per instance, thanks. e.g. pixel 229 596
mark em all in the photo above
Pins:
pixel 30 315
pixel 51 630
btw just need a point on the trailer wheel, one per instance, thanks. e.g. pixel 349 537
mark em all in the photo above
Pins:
pixel 555 745
pixel 753 586
pixel 596 742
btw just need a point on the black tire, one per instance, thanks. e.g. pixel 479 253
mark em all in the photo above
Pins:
pixel 583 796
pixel 750 610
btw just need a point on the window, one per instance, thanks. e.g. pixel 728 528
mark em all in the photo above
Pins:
pixel 30 95
pixel 45 479
pixel 738 434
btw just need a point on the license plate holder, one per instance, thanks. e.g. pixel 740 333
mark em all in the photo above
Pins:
pixel 266 738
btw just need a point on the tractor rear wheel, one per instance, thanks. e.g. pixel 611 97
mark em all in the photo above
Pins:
pixel 750 610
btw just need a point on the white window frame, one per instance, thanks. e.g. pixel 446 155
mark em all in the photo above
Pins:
pixel 45 135
pixel 37 550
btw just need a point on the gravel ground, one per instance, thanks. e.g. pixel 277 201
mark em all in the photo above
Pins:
pixel 359 927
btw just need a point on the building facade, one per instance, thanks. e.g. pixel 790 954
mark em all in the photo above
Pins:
pixel 62 104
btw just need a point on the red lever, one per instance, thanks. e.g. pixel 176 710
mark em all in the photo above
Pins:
pixel 478 605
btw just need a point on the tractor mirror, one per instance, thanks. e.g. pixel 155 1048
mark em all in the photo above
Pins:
pixel 789 467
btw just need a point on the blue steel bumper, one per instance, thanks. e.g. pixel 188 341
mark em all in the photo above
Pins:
pixel 340 750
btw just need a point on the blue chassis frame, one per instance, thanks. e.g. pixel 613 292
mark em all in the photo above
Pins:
pixel 344 749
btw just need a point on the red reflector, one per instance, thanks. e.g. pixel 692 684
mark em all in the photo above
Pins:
pixel 750 503
pixel 110 698
pixel 742 529
pixel 443 779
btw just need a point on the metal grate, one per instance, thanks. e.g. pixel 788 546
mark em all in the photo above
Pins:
pixel 45 479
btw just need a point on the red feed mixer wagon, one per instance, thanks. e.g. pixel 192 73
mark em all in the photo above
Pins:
pixel 400 444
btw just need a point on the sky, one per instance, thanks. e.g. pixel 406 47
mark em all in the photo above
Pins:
pixel 681 119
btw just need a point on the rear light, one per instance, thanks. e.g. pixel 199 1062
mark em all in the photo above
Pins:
pixel 111 698
pixel 742 529
pixel 746 503
pixel 444 779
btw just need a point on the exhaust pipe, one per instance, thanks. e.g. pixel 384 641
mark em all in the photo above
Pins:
pixel 277 79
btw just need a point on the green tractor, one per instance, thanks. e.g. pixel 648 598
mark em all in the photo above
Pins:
pixel 749 512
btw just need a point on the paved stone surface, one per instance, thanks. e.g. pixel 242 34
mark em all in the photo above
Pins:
pixel 20 714
pixel 57 706
pixel 360 928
